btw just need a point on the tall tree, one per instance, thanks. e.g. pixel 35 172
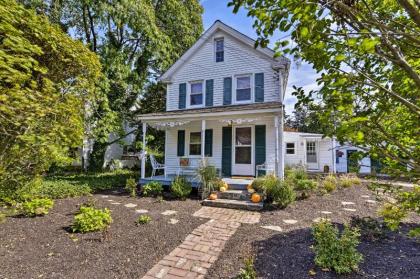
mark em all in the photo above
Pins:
pixel 136 40
pixel 367 52
pixel 48 81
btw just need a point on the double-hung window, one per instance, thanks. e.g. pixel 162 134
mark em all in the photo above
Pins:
pixel 219 46
pixel 243 88
pixel 196 94
pixel 195 143
pixel 290 148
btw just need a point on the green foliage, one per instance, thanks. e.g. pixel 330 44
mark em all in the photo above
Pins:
pixel 60 189
pixel 248 272
pixel 144 219
pixel 405 202
pixel 276 191
pixel 329 183
pixel 298 177
pixel 90 219
pixel 47 80
pixel 152 189
pixel 366 54
pixel 370 229
pixel 2 217
pixel 36 207
pixel 131 186
pixel 335 251
pixel 181 187
pixel 217 183
pixel 348 180
pixel 206 174
pixel 258 184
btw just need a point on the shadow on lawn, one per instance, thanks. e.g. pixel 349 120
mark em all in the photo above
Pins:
pixel 288 255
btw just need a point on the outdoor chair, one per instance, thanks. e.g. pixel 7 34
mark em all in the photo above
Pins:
pixel 156 165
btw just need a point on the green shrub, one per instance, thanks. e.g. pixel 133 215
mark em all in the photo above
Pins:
pixel 248 272
pixel 335 251
pixel 152 189
pixel 144 219
pixel 207 174
pixel 277 191
pixel 181 187
pixel 217 183
pixel 258 184
pixel 37 207
pixel 330 183
pixel 90 219
pixel 131 186
pixel 296 173
pixel 2 217
pixel 345 181
pixel 60 189
pixel 305 185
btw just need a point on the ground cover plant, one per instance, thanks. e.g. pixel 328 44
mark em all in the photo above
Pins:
pixel 60 189
pixel 181 187
pixel 152 189
pixel 336 251
pixel 90 219
pixel 36 207
pixel 144 219
pixel 248 272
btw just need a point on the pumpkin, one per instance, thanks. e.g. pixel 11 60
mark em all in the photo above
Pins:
pixel 222 189
pixel 213 196
pixel 255 198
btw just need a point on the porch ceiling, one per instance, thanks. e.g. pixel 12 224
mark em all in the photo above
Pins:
pixel 218 111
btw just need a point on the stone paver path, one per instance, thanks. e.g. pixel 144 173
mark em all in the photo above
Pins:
pixel 173 221
pixel 168 212
pixel 130 205
pixel 350 209
pixel 273 228
pixel 347 203
pixel 141 211
pixel 326 212
pixel 290 221
pixel 203 245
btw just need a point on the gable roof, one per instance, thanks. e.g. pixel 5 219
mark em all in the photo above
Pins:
pixel 219 25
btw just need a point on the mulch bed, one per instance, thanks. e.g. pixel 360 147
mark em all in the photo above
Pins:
pixel 44 247
pixel 288 254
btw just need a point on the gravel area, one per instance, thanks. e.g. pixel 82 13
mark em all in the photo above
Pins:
pixel 43 247
pixel 287 254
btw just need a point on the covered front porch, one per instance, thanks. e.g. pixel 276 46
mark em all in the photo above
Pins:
pixel 193 179
pixel 237 140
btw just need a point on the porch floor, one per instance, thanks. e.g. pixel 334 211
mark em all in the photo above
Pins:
pixel 193 179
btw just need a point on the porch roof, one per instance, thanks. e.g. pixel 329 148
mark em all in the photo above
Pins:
pixel 255 108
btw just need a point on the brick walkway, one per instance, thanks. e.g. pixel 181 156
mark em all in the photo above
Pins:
pixel 202 247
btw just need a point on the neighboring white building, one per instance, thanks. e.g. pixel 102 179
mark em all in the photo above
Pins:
pixel 344 162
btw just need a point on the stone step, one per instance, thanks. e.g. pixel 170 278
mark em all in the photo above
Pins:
pixel 237 184
pixel 234 204
pixel 242 195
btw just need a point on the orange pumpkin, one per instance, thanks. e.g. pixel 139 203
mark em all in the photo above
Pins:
pixel 256 198
pixel 213 196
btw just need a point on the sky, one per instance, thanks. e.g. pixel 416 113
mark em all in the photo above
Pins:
pixel 300 75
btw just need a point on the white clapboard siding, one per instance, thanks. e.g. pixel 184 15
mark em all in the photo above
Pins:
pixel 238 59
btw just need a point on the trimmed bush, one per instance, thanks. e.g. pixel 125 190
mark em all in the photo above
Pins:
pixel 131 187
pixel 37 207
pixel 181 187
pixel 90 219
pixel 144 219
pixel 152 189
pixel 60 189
pixel 335 251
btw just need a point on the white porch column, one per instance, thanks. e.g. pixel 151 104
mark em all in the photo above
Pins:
pixel 144 153
pixel 276 146
pixel 334 167
pixel 279 156
pixel 203 140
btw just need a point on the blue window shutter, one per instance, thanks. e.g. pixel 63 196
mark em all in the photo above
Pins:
pixel 259 145
pixel 227 151
pixel 259 87
pixel 208 143
pixel 227 91
pixel 181 143
pixel 182 95
pixel 209 93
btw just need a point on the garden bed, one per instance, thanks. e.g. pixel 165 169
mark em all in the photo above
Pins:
pixel 45 247
pixel 287 254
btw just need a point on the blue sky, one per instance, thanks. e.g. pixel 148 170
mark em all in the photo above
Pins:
pixel 301 76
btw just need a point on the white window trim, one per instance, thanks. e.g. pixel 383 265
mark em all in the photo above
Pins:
pixel 189 94
pixel 189 142
pixel 294 149
pixel 214 49
pixel 235 83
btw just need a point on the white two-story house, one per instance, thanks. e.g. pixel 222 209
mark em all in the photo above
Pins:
pixel 225 104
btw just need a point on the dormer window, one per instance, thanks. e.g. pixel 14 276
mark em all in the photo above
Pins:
pixel 219 48
pixel 196 95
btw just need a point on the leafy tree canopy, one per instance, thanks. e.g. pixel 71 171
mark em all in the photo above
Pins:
pixel 47 82
pixel 367 52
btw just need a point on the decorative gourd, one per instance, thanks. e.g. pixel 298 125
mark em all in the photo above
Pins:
pixel 251 191
pixel 255 198
pixel 213 196
pixel 249 186
pixel 222 189
pixel 225 185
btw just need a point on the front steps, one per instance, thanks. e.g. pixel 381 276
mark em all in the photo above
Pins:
pixel 236 197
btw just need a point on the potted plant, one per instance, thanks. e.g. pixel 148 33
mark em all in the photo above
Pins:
pixel 207 175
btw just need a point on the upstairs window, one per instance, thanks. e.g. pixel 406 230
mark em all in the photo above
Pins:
pixel 196 95
pixel 219 48
pixel 243 88
pixel 290 148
